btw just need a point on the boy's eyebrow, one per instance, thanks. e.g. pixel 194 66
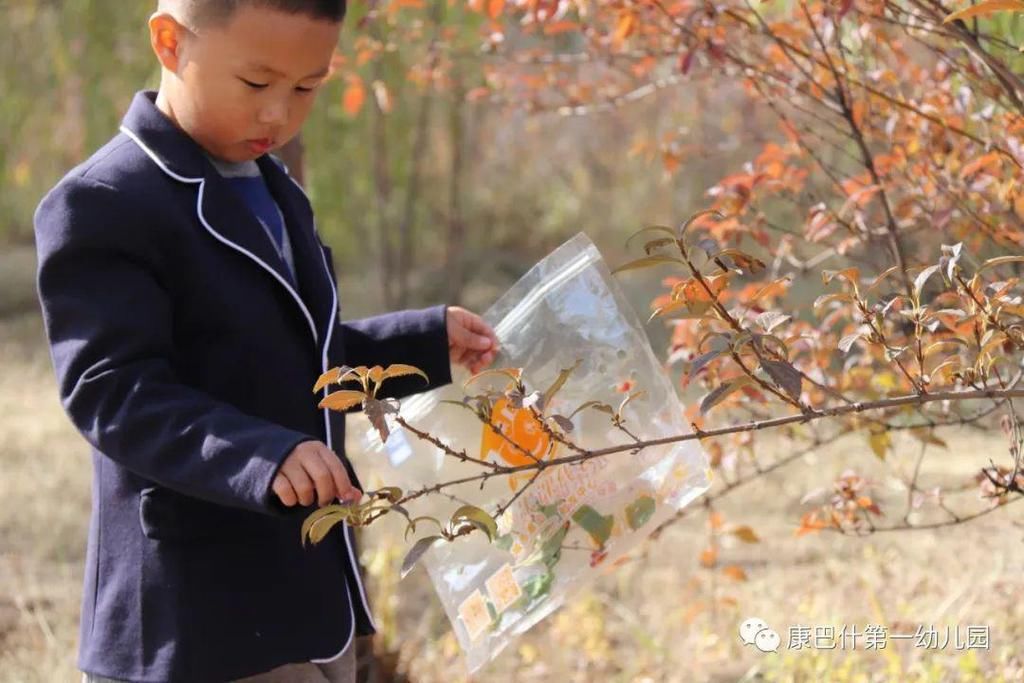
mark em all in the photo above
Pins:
pixel 274 72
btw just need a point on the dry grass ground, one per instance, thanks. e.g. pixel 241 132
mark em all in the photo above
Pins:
pixel 639 624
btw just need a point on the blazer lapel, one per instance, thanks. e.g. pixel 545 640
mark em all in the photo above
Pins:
pixel 233 220
pixel 229 220
pixel 222 213
pixel 315 283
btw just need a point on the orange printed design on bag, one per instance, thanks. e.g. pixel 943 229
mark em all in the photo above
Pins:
pixel 523 428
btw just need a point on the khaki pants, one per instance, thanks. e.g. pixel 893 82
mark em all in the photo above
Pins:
pixel 341 670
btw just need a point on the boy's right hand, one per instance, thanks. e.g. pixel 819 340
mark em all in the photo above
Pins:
pixel 312 472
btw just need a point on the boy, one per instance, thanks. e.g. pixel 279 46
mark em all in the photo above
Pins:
pixel 190 306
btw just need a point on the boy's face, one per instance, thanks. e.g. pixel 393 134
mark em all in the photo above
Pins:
pixel 243 87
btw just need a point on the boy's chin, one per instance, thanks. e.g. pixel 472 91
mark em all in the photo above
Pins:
pixel 237 155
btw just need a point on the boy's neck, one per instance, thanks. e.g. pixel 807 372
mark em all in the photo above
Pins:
pixel 163 103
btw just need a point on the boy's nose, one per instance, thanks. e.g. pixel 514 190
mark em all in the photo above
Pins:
pixel 273 114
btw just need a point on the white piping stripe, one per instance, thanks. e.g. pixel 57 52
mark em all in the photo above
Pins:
pixel 323 360
pixel 327 420
pixel 157 160
pixel 202 219
pixel 351 631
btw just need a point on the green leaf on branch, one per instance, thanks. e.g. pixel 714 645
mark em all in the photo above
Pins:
pixel 317 524
pixel 881 278
pixel 595 405
pixel 390 493
pixel 846 343
pixel 626 401
pixel 418 549
pixel 693 219
pixel 880 441
pixel 837 296
pixel 785 375
pixel 478 518
pixel 647 262
pixel 411 527
pixel 769 320
pixel 922 279
pixel 563 423
pixel 719 393
pixel 744 262
pixel 665 230
pixel 700 362
pixel 559 382
pixel 1000 260
pixel 655 245
pixel 513 374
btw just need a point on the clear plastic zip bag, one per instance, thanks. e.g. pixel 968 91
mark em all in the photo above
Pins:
pixel 572 521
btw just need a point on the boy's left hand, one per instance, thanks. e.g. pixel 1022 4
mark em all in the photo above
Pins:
pixel 471 342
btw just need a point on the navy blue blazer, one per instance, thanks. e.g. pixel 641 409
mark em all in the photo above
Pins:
pixel 187 360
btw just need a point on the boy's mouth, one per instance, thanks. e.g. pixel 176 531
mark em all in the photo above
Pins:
pixel 260 145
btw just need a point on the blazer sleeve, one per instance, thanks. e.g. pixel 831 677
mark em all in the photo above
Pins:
pixel 414 337
pixel 109 326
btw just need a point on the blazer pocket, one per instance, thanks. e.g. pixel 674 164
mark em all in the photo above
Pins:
pixel 168 516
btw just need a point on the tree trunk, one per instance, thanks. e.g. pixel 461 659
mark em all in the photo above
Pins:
pixel 293 155
pixel 454 254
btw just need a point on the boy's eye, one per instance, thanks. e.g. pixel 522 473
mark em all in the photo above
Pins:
pixel 251 84
pixel 299 88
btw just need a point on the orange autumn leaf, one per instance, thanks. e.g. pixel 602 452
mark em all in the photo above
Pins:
pixel 709 557
pixel 735 573
pixel 990 162
pixel 557 27
pixel 715 518
pixel 625 27
pixel 670 161
pixel 355 96
pixel 985 8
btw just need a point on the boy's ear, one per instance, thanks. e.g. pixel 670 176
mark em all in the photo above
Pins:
pixel 166 35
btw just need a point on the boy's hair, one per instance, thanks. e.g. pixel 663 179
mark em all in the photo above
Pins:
pixel 204 12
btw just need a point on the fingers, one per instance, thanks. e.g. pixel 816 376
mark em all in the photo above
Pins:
pixel 480 327
pixel 474 361
pixel 323 481
pixel 471 340
pixel 459 354
pixel 342 484
pixel 470 331
pixel 313 473
pixel 301 482
pixel 284 491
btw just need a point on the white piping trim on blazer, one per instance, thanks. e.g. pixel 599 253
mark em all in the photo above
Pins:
pixel 351 632
pixel 327 418
pixel 202 219
pixel 330 329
